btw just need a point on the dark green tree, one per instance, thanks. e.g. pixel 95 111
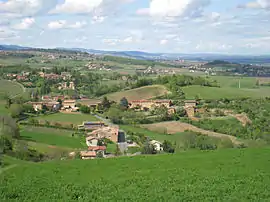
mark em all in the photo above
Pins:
pixel 124 103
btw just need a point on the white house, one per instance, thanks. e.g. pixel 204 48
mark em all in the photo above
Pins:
pixel 157 145
pixel 91 141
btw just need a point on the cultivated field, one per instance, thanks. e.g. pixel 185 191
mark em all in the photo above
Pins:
pixel 159 135
pixel 147 92
pixel 9 88
pixel 174 127
pixel 63 118
pixel 224 175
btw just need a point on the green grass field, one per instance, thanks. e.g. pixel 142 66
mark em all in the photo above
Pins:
pixel 68 118
pixel 146 92
pixel 224 92
pixel 175 138
pixel 225 175
pixel 53 137
pixel 10 88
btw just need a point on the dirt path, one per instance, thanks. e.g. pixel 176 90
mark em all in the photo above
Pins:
pixel 176 127
pixel 242 118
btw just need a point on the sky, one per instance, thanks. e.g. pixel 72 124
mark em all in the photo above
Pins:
pixel 167 26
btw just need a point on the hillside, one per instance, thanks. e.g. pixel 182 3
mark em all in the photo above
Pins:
pixel 146 92
pixel 225 175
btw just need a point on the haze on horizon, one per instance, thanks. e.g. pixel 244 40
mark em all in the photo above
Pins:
pixel 175 26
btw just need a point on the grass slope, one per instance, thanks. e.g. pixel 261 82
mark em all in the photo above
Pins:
pixel 146 92
pixel 225 175
pixel 58 138
pixel 226 92
pixel 159 136
pixel 10 88
pixel 68 118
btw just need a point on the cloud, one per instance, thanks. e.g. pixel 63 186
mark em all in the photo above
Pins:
pixel 98 19
pixel 77 6
pixel 26 7
pixel 26 23
pixel 63 24
pixel 163 42
pixel 175 8
pixel 261 4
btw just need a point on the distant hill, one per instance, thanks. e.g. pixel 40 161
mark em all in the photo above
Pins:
pixel 204 57
pixel 13 47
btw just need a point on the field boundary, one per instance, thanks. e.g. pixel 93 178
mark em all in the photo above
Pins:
pixel 177 126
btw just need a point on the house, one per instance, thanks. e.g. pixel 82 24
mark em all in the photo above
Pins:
pixel 157 145
pixel 66 75
pixel 91 126
pixel 88 155
pixel 91 141
pixel 190 103
pixel 100 150
pixel 66 85
pixel 190 107
pixel 67 104
pixel 51 105
pixel 149 104
pixel 110 133
pixel 93 103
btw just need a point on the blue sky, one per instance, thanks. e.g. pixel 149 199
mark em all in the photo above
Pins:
pixel 172 26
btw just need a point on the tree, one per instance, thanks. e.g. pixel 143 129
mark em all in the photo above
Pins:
pixel 9 130
pixel 85 109
pixel 106 104
pixel 16 110
pixel 124 103
pixel 148 149
pixel 168 147
pixel 28 108
pixel 117 151
pixel 115 115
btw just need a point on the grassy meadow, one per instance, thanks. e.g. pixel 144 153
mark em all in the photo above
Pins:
pixel 224 175
pixel 68 118
pixel 53 137
pixel 146 92
pixel 229 88
pixel 9 88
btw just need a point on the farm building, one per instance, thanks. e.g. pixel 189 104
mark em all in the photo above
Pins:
pixel 51 105
pixel 157 145
pixel 91 125
pixel 110 133
pixel 91 141
pixel 69 104
pixel 88 155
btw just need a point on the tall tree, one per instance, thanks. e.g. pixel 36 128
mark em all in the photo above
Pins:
pixel 124 103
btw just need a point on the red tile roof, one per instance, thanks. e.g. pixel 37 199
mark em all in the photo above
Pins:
pixel 97 148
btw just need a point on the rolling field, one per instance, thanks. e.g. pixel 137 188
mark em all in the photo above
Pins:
pixel 146 92
pixel 10 88
pixel 226 92
pixel 159 136
pixel 224 175
pixel 68 118
pixel 175 127
pixel 53 137
pixel 3 110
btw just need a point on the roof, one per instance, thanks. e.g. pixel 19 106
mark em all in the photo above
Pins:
pixel 69 101
pixel 152 101
pixel 93 123
pixel 190 101
pixel 91 138
pixel 155 142
pixel 97 148
pixel 88 154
